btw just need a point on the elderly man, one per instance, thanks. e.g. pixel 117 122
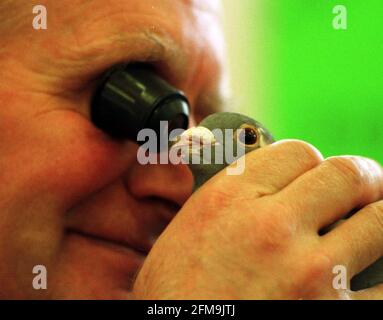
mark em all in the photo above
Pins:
pixel 77 202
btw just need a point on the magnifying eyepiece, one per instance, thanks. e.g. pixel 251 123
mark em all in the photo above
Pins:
pixel 132 98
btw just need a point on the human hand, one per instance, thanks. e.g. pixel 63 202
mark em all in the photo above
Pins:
pixel 256 236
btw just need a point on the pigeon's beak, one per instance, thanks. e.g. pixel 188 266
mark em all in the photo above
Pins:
pixel 194 140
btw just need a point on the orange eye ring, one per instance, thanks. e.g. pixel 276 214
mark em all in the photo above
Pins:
pixel 248 135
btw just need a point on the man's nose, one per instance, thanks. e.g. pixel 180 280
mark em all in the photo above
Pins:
pixel 170 182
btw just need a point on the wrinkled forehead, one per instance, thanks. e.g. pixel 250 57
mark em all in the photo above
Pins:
pixel 15 13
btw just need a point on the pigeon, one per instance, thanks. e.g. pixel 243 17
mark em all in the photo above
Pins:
pixel 201 143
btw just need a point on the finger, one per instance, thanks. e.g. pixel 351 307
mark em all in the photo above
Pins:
pixel 270 169
pixel 375 293
pixel 358 242
pixel 338 185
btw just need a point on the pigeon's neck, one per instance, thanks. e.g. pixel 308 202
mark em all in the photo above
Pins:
pixel 203 172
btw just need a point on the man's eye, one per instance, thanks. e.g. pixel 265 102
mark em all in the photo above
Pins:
pixel 248 135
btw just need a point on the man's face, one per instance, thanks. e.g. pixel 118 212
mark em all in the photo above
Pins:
pixel 71 198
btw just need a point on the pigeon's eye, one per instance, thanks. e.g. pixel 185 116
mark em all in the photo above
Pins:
pixel 248 135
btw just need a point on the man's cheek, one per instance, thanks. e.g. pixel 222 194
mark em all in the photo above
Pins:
pixel 30 236
pixel 59 154
pixel 78 159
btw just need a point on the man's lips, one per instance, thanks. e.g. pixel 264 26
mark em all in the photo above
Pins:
pixel 110 243
pixel 136 228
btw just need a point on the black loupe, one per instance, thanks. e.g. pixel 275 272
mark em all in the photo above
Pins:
pixel 134 97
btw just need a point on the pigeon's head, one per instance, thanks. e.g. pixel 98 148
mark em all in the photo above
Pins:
pixel 247 131
pixel 211 146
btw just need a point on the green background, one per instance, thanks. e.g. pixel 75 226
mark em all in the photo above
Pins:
pixel 303 79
